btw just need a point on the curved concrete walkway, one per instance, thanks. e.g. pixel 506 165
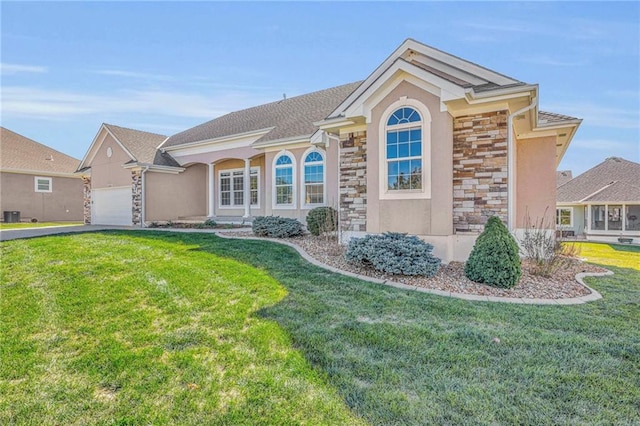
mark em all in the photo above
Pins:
pixel 13 234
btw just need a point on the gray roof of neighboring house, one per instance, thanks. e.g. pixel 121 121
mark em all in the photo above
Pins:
pixel 20 153
pixel 289 118
pixel 615 180
pixel 142 145
pixel 563 176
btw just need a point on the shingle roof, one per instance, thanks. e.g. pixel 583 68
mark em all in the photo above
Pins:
pixel 563 176
pixel 545 117
pixel 20 153
pixel 142 145
pixel 290 118
pixel 615 177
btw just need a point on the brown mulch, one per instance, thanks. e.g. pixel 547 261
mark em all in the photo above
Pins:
pixel 451 277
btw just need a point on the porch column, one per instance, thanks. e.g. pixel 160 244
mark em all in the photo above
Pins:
pixel 210 212
pixel 247 188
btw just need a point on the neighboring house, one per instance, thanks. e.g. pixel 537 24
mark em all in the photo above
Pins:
pixel 563 176
pixel 428 144
pixel 38 181
pixel 603 203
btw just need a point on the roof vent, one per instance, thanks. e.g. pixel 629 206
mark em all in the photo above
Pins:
pixel 562 135
pixel 50 158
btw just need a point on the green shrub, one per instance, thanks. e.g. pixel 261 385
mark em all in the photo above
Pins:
pixel 276 227
pixel 394 253
pixel 494 259
pixel 321 220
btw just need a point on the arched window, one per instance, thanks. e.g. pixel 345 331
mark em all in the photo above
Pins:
pixel 283 180
pixel 404 150
pixel 314 178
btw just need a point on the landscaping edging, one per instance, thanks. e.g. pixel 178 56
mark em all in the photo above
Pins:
pixel 594 295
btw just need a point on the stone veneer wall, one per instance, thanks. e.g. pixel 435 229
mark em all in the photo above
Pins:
pixel 353 181
pixel 479 170
pixel 86 190
pixel 136 194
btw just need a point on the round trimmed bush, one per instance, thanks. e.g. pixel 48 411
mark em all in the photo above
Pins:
pixel 321 220
pixel 276 227
pixel 394 253
pixel 494 259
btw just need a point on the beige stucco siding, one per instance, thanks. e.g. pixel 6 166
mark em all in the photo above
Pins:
pixel 417 216
pixel 536 180
pixel 173 196
pixel 63 203
pixel 107 171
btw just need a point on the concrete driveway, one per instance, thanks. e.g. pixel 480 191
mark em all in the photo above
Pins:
pixel 14 234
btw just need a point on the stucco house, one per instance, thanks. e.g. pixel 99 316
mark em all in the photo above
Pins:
pixel 428 144
pixel 603 203
pixel 38 181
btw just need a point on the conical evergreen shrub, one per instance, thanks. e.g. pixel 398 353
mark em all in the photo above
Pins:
pixel 494 259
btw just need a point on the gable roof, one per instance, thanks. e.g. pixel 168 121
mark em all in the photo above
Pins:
pixel 142 145
pixel 287 118
pixel 614 180
pixel 563 176
pixel 19 153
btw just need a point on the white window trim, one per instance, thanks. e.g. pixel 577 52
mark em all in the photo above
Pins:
pixel 236 206
pixel 35 183
pixel 303 188
pixel 294 176
pixel 408 194
pixel 570 225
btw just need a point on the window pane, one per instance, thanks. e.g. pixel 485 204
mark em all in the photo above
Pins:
pixel 314 194
pixel 313 156
pixel 615 218
pixel 403 136
pixel 225 184
pixel 392 137
pixel 633 218
pixel 313 174
pixel 392 182
pixel 415 135
pixel 238 198
pixel 403 150
pixel 238 183
pixel 392 151
pixel 404 167
pixel 284 195
pixel 416 149
pixel 597 218
pixel 225 198
pixel 284 176
pixel 284 160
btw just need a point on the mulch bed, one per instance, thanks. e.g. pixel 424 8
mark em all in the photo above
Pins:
pixel 451 277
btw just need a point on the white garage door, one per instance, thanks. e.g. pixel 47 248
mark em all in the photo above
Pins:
pixel 111 206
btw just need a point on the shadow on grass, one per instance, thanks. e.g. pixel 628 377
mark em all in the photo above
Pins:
pixel 403 357
pixel 627 248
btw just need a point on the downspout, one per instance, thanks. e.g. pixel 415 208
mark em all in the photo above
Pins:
pixel 337 140
pixel 143 200
pixel 511 160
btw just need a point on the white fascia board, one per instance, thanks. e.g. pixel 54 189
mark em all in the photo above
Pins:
pixel 154 168
pixel 460 63
pixel 237 140
pixel 451 70
pixel 371 78
pixel 400 71
pixel 283 141
pixel 97 141
pixel 334 123
pixel 501 94
pixel 163 142
pixel 40 173
pixel 317 138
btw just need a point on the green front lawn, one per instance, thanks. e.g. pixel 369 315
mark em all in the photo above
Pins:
pixel 142 327
pixel 25 225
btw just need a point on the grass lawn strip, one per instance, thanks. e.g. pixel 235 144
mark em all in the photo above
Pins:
pixel 28 225
pixel 394 356
pixel 117 328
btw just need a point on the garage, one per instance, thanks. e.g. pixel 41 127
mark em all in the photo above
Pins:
pixel 111 206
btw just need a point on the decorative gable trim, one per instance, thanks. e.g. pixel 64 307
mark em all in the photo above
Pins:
pixel 97 142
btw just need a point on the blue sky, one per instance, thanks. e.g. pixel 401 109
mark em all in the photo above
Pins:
pixel 164 67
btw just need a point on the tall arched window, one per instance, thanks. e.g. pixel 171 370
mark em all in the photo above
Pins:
pixel 404 154
pixel 283 180
pixel 314 178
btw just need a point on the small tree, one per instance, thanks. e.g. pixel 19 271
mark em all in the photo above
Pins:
pixel 494 259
